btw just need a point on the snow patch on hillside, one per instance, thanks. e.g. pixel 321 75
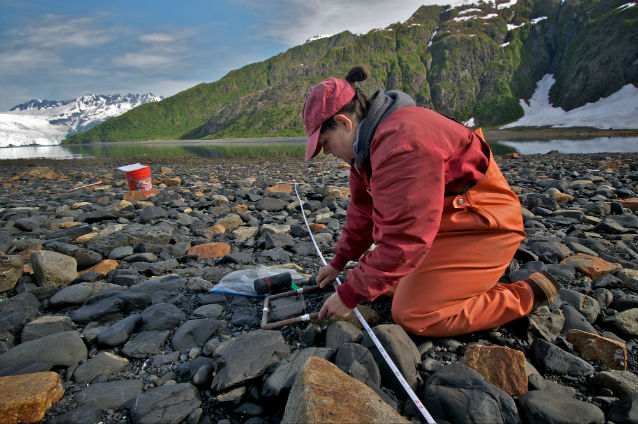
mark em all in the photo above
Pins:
pixel 618 111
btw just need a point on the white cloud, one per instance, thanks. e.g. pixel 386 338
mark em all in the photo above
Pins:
pixel 157 38
pixel 143 60
pixel 60 32
pixel 313 17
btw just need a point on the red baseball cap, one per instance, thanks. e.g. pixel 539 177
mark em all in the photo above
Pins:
pixel 323 102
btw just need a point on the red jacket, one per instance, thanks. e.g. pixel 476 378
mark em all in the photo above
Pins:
pixel 416 157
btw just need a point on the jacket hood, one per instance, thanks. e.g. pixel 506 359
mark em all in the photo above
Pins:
pixel 382 104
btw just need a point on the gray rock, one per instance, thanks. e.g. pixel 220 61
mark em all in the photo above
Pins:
pixel 83 415
pixel 146 343
pixel 132 235
pixel 104 363
pixel 120 252
pixel 53 269
pixel 246 357
pixel 244 317
pixel 340 332
pixel 608 281
pixel 110 305
pixel 194 333
pixel 151 213
pixel 161 316
pixel 46 325
pixel 171 282
pixel 286 307
pixel 626 322
pixel 98 216
pixel 545 323
pixel 86 258
pixel 231 221
pixel 69 234
pixel 625 411
pixel 357 361
pixel 270 204
pixel 401 349
pixel 11 268
pixel 110 395
pixel 629 278
pixel 199 370
pixel 59 349
pixel 169 404
pixel 142 257
pixel 627 301
pixel 212 311
pixel 621 383
pixel 550 252
pixel 119 332
pixel 555 360
pixel 270 240
pixel 78 293
pixel 586 305
pixel 284 374
pixel 575 320
pixel 457 393
pixel 14 315
pixel 539 406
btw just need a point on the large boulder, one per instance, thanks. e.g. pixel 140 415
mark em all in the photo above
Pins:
pixel 322 393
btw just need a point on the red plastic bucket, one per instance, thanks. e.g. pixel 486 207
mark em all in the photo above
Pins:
pixel 140 179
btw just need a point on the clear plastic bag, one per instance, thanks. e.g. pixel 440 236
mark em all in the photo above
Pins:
pixel 241 281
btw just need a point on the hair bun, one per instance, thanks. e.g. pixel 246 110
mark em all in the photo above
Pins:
pixel 357 74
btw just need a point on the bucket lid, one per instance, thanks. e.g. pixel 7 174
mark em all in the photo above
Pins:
pixel 132 167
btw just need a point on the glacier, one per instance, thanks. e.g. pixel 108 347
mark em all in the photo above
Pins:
pixel 48 122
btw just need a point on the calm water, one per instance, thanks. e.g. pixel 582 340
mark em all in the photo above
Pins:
pixel 281 147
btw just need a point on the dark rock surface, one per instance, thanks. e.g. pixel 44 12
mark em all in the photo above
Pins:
pixel 150 344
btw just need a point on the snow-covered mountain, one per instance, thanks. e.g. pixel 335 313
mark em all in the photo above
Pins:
pixel 49 121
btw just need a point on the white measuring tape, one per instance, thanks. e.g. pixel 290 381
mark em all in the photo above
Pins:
pixel 374 338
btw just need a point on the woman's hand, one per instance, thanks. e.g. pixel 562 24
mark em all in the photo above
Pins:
pixel 333 308
pixel 326 275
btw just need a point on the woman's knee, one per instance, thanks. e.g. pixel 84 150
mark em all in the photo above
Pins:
pixel 404 320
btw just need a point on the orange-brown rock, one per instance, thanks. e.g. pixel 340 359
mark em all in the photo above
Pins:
pixel 563 197
pixel 218 229
pixel 69 224
pixel 323 394
pixel 502 366
pixel 213 180
pixel 239 208
pixel 25 398
pixel 42 172
pixel 27 269
pixel 592 346
pixel 210 250
pixel 339 192
pixel 165 170
pixel 103 267
pixel 79 205
pixel 172 181
pixel 592 266
pixel 612 165
pixel 86 237
pixel 132 195
pixel 286 188
pixel 631 204
pixel 315 228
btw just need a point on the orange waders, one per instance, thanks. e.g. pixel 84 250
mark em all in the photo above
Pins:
pixel 454 290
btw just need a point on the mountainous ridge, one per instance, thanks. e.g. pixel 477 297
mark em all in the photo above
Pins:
pixel 474 61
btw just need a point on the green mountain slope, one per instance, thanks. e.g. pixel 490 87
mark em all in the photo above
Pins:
pixel 459 61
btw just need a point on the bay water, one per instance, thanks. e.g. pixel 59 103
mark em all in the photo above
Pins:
pixel 283 147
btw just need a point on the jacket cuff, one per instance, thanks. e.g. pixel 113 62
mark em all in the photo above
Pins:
pixel 339 262
pixel 348 296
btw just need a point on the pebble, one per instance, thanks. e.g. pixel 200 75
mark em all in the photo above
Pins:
pixel 140 310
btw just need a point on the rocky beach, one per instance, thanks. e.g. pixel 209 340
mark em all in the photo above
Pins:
pixel 107 314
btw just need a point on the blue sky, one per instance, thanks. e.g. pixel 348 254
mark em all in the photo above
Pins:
pixel 63 49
